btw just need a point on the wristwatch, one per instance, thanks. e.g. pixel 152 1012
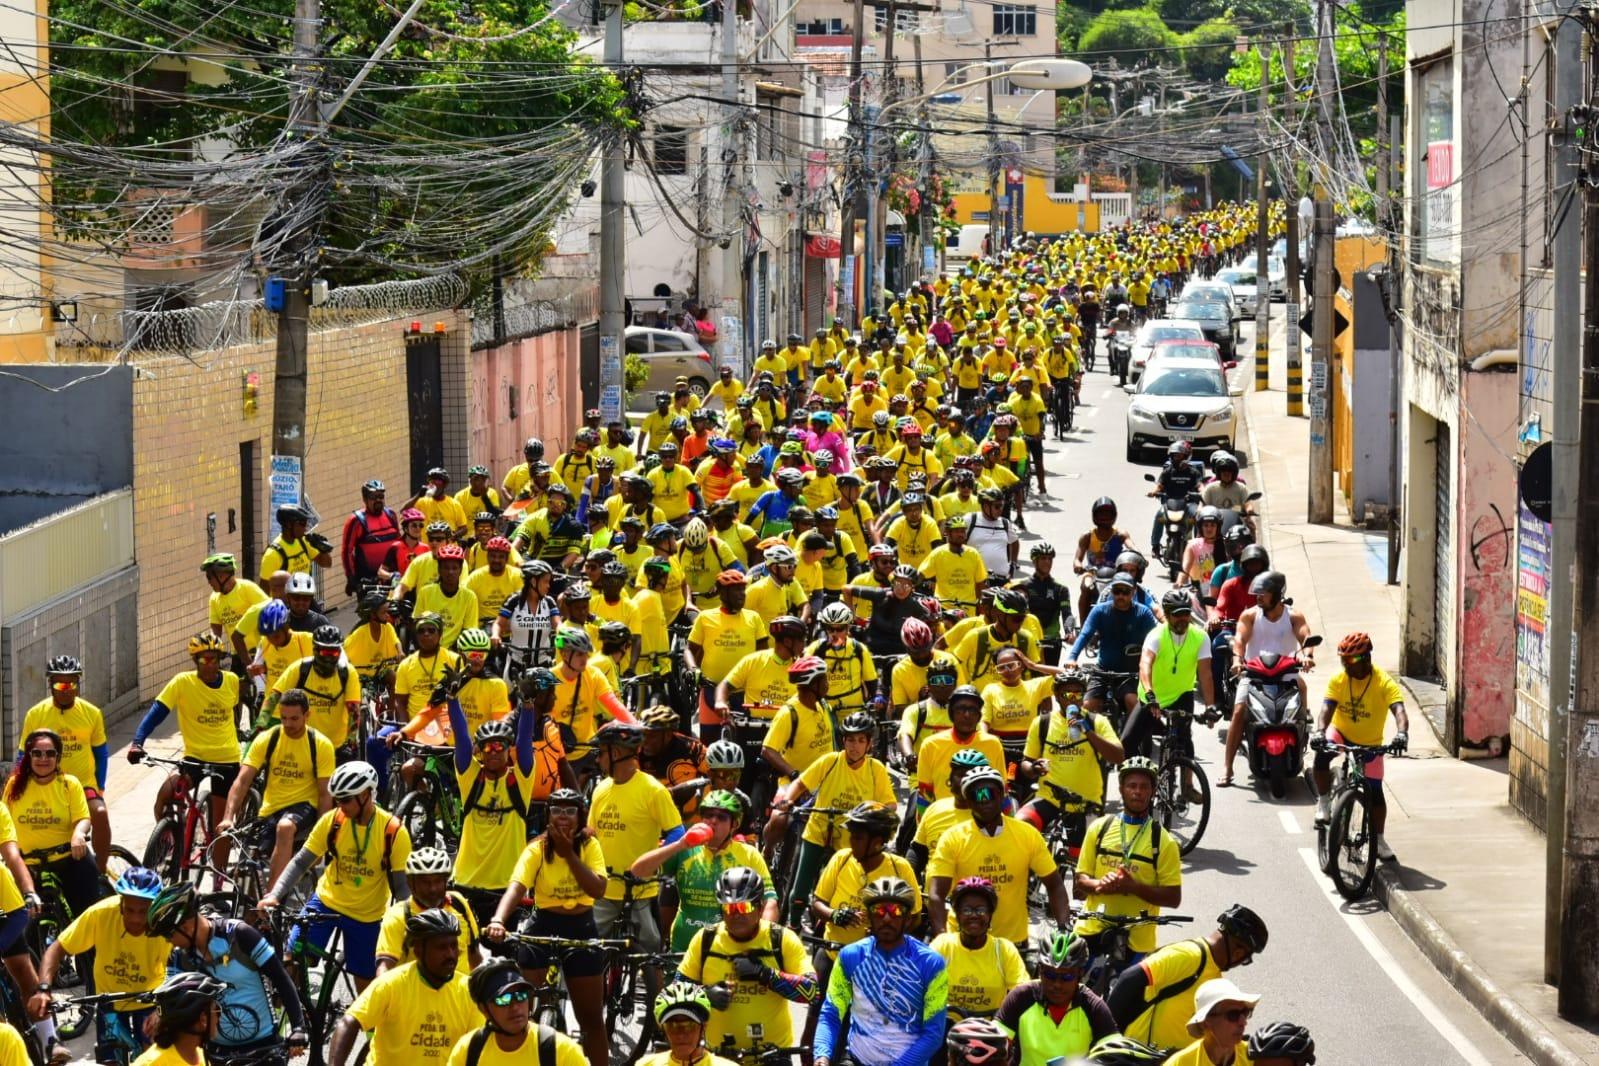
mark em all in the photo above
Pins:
pixel 43 986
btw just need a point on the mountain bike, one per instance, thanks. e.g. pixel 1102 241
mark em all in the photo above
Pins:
pixel 325 989
pixel 116 1044
pixel 785 855
pixel 632 978
pixel 431 811
pixel 181 840
pixel 1115 951
pixel 15 1013
pixel 1346 846
pixel 1185 816
pixel 1057 837
pixel 55 914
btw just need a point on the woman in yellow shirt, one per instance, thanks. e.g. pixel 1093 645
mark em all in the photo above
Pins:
pixel 563 868
pixel 52 818
pixel 982 968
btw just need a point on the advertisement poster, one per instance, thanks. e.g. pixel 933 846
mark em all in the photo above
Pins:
pixel 1533 551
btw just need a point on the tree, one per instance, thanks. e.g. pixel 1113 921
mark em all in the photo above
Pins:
pixel 1129 35
pixel 1207 49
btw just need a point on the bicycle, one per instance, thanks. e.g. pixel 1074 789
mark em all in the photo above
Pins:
pixel 760 1053
pixel 432 808
pixel 785 854
pixel 116 1043
pixel 551 999
pixel 1115 952
pixel 55 914
pixel 629 1002
pixel 1185 818
pixel 1346 846
pixel 14 1010
pixel 183 835
pixel 325 988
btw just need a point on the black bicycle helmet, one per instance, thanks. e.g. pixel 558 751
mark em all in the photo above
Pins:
pixel 859 722
pixel 1270 581
pixel 431 923
pixel 327 636
pixel 1245 926
pixel 873 819
pixel 172 907
pixel 185 997
pixel 63 664
pixel 740 884
pixel 1282 1040
pixel 492 978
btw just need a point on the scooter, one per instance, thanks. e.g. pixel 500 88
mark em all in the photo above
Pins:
pixel 1276 722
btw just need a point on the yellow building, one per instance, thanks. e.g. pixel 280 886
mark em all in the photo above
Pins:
pixel 24 100
pixel 1043 210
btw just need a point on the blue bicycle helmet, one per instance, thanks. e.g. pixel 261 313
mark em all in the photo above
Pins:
pixel 140 882
pixel 273 617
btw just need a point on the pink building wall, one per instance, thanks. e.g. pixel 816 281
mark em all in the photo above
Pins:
pixel 521 389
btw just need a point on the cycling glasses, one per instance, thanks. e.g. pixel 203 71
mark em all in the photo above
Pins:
pixel 1350 660
pixel 741 907
pixel 68 686
pixel 513 995
pixel 985 794
pixel 492 747
pixel 1060 973
pixel 887 909
pixel 329 653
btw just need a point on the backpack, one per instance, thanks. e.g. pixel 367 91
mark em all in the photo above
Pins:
pixel 311 737
pixel 513 794
pixel 1177 988
pixel 773 944
pixel 305 675
pixel 368 537
pixel 391 829
pixel 480 1040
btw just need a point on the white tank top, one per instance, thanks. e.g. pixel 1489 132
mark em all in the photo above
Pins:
pixel 1269 636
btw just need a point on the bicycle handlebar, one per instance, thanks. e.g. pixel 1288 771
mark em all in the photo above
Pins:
pixel 1127 921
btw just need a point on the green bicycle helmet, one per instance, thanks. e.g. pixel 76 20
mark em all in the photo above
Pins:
pixel 172 907
pixel 473 639
pixel 219 561
pixel 682 999
pixel 1063 950
pixel 723 800
pixel 1120 1050
pixel 967 759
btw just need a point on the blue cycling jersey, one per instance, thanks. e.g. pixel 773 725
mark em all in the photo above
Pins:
pixel 239 955
pixel 1121 635
pixel 896 1002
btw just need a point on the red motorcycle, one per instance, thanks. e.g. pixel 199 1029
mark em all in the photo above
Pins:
pixel 1276 722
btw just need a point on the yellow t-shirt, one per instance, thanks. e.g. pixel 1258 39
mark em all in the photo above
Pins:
pixel 1005 859
pixel 45 814
pixel 568 1052
pixel 1361 711
pixel 979 978
pixel 13 1052
pixel 492 590
pixel 671 490
pixel 370 655
pixel 835 783
pixel 955 577
pixel 672 596
pixel 297 557
pixel 768 599
pixel 1009 709
pixel 801 736
pixel 1029 412
pixel 356 882
pixel 551 882
pixel 459 611
pixel 762 676
pixel 629 819
pixel 654 644
pixel 443 509
pixel 412 1022
pixel 1073 765
pixel 1165 1024
pixel 391 934
pixel 840 883
pixel 725 638
pixel 122 963
pixel 939 818
pixel 483 698
pixel 329 699
pixel 81 728
pixel 577 700
pixel 492 832
pixel 1111 842
pixel 226 608
pixel 1194 1054
pixel 276 659
pixel 416 677
pixel 914 545
pixel 206 715
pixel 932 762
pixel 976 652
pixel 290 780
pixel 753 1003
pixel 909 679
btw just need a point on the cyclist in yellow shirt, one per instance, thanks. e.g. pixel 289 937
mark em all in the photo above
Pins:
pixel 81 727
pixel 727 389
pixel 1028 408
pixel 206 701
pixel 957 571
pixel 506 999
pixel 414 1013
pixel 296 762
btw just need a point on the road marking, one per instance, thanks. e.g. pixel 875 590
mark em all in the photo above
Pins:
pixel 1388 965
pixel 1108 393
pixel 1290 823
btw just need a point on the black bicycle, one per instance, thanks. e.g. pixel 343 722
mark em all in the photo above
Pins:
pixel 629 996
pixel 1347 845
pixel 1182 791
pixel 1115 953
pixel 1058 836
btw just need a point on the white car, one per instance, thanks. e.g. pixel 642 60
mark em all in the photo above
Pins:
pixel 671 354
pixel 1242 281
pixel 1180 398
pixel 1156 330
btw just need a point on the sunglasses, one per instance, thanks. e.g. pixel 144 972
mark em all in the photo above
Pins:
pixel 493 747
pixel 723 816
pixel 1237 1014
pixel 741 907
pixel 44 753
pixel 515 995
pixel 1052 973
pixel 984 795
pixel 1121 592
pixel 887 909
pixel 63 686
pixel 1352 659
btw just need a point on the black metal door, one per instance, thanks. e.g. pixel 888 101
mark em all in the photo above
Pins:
pixel 425 396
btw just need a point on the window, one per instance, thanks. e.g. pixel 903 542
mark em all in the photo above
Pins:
pixel 666 342
pixel 637 344
pixel 820 28
pixel 671 150
pixel 955 73
pixel 1015 20
pixel 904 21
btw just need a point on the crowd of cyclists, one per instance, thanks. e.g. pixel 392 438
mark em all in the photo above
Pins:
pixel 749 731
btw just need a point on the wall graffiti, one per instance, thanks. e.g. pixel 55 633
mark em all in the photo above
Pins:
pixel 1491 537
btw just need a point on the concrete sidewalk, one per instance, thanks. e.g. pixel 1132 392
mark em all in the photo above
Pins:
pixel 1468 888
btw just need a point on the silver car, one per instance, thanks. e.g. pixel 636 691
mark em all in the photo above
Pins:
pixel 670 354
pixel 1180 398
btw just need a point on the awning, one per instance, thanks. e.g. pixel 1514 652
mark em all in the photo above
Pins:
pixel 822 246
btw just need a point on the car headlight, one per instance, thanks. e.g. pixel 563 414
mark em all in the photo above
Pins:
pixel 1224 414
pixel 1138 410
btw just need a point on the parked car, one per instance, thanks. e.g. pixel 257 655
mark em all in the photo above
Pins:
pixel 1154 332
pixel 671 354
pixel 1180 398
pixel 1215 318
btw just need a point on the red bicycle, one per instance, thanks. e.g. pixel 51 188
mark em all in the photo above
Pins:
pixel 180 843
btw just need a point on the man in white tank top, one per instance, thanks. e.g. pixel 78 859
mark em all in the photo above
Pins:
pixel 1269 626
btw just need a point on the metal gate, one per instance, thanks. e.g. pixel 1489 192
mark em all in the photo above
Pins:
pixel 425 400
pixel 1443 605
pixel 763 309
pixel 815 294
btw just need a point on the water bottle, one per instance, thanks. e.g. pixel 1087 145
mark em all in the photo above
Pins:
pixel 1074 732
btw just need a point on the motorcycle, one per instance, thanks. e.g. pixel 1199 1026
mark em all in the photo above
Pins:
pixel 1177 517
pixel 1231 518
pixel 1276 722
pixel 1120 349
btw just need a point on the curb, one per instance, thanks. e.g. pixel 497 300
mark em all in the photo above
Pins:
pixel 1514 1022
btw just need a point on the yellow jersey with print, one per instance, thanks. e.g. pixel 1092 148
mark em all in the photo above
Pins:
pixel 853 518
pixel 577 700
pixel 996 477
pixel 391 933
pixel 834 389
pixel 1147 851
pixel 355 881
pixel 459 611
pixel 932 761
pixel 417 676
pixel 746 492
pixel 617 509
pixel 955 574
pixel 840 884
pixel 802 736
pixel 654 644
pixel 516 479
pixel 372 654
pixel 277 658
pixel 492 590
pixel 1165 1023
pixel 951 446
pixel 492 831
pixel 725 638
pixel 422 570
pixel 472 504
pixel 762 678
pixel 44 814
pixel 1029 412
pixel 294 556
pixel 939 818
pixel 633 557
pixel 411 1022
pixel 727 392
pixel 1073 764
pixel 671 490
pixel 443 509
pixel 768 599
pixel 672 595
pixel 922 461
pixel 1005 856
pixel 568 1052
pixel 1360 708
pixel 861 409
pixel 1194 1054
pixel 330 697
pixel 976 647
pixel 700 570
pixel 81 728
pixel 122 962
pixel 835 562
pixel 226 608
pixel 914 543
pixel 756 1014
pixel 908 681
pixel 980 977
pixel 1008 710
pixel 603 610
pixel 849 668
pixel 10 896
pixel 573 468
pixel 483 697
pixel 549 879
pixel 297 765
pixel 837 785
pixel 630 819
pixel 206 715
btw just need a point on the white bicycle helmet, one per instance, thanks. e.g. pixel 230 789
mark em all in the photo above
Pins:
pixel 724 755
pixel 429 861
pixel 780 555
pixel 352 779
pixel 695 535
pixel 300 585
pixel 836 614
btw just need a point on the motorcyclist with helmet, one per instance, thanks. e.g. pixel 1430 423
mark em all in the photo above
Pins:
pixel 1178 479
pixel 1224 489
pixel 1055 1016
pixel 1097 548
pixel 1132 563
pixel 1234 541
pixel 1271 625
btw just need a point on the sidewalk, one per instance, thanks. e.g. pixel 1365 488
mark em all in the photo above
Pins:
pixel 1469 885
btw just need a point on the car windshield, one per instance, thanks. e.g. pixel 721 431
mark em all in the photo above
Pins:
pixel 1186 351
pixel 1184 381
pixel 1151 334
pixel 1203 310
pixel 1235 277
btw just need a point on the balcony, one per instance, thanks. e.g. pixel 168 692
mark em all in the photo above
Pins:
pixel 169 230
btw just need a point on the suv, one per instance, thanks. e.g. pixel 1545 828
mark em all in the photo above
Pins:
pixel 670 355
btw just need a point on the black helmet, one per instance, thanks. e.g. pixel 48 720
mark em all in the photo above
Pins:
pixel 1282 1040
pixel 292 513
pixel 1176 450
pixel 740 884
pixel 874 819
pixel 1244 925
pixel 1104 503
pixel 1224 461
pixel 185 997
pixel 1176 601
pixel 1269 581
pixel 1254 553
pixel 63 664
pixel 1237 537
pixel 859 722
pixel 172 906
pixel 327 636
pixel 533 450
pixel 494 729
pixel 1208 513
pixel 428 924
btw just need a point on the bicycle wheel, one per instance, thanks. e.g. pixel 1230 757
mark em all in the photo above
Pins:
pixel 1185 818
pixel 163 851
pixel 1353 845
pixel 415 812
pixel 118 861
pixel 334 995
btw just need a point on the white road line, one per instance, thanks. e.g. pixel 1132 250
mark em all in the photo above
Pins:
pixel 1385 962
pixel 1108 393
pixel 1290 823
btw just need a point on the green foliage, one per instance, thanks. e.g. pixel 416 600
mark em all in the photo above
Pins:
pixel 635 372
pixel 1207 49
pixel 1126 34
pixel 1070 21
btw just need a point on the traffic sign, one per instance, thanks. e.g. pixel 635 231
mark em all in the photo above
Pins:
pixel 1537 482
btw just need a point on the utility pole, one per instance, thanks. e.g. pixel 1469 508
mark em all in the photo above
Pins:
pixel 1291 338
pixel 294 320
pixel 924 231
pixel 993 156
pixel 1396 370
pixel 1263 237
pixel 1579 914
pixel 731 290
pixel 1320 507
pixel 1566 192
pixel 613 247
pixel 876 254
pixel 852 169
